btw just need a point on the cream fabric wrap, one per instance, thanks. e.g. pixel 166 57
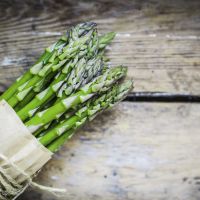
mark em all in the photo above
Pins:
pixel 21 155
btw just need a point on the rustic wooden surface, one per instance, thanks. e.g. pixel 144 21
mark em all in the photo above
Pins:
pixel 144 158
pixel 139 151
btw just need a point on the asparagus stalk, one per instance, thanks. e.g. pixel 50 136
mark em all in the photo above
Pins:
pixel 59 57
pixel 76 79
pixel 56 145
pixel 90 72
pixel 105 39
pixel 44 129
pixel 80 75
pixel 86 112
pixel 56 137
pixel 31 95
pixel 101 83
pixel 63 78
pixel 32 107
pixel 30 73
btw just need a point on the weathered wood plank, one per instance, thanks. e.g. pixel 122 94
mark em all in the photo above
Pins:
pixel 124 155
pixel 158 40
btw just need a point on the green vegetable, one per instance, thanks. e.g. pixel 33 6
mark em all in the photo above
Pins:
pixel 99 84
pixel 69 85
pixel 29 74
pixel 75 73
pixel 58 58
pixel 57 136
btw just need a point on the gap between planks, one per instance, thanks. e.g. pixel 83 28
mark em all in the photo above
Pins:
pixel 162 97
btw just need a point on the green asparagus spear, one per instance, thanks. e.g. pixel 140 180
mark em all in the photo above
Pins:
pixel 44 129
pixel 57 143
pixel 79 76
pixel 101 83
pixel 59 57
pixel 86 112
pixel 39 87
pixel 65 77
pixel 90 72
pixel 105 39
pixel 29 74
pixel 56 137
pixel 30 109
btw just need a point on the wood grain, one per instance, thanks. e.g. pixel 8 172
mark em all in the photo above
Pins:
pixel 139 151
pixel 158 40
pixel 144 158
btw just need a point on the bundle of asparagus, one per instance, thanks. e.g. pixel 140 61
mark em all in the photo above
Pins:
pixel 69 84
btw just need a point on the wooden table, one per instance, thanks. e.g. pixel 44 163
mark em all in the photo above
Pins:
pixel 140 150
